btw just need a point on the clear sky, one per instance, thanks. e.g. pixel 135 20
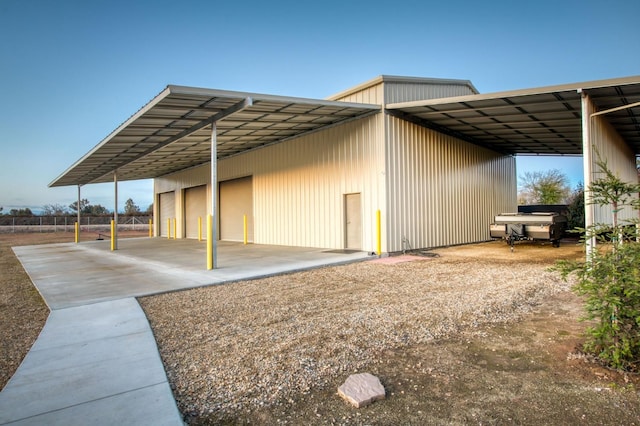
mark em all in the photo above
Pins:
pixel 72 71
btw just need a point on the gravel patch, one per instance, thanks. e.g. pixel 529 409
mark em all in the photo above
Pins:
pixel 235 348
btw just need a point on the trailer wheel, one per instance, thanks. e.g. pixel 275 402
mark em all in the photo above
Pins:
pixel 555 243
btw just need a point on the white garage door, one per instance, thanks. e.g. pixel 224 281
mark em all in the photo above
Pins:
pixel 236 200
pixel 167 210
pixel 195 206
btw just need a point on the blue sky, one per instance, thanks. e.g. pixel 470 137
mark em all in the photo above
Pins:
pixel 72 71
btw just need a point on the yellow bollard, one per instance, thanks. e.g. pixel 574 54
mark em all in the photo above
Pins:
pixel 379 233
pixel 175 227
pixel 199 228
pixel 77 228
pixel 209 243
pixel 113 240
pixel 150 228
pixel 168 229
pixel 246 236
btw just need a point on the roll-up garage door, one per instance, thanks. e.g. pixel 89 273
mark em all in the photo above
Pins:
pixel 236 200
pixel 167 211
pixel 195 206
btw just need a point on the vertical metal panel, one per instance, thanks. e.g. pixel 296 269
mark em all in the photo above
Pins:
pixel 194 176
pixel 443 191
pixel 299 185
pixel 368 95
pixel 611 148
pixel 407 92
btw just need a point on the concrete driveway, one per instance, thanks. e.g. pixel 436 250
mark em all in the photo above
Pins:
pixel 96 361
pixel 78 274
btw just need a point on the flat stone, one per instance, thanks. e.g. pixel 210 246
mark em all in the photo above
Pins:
pixel 362 389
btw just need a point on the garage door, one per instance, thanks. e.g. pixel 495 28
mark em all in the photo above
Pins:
pixel 236 200
pixel 195 206
pixel 167 210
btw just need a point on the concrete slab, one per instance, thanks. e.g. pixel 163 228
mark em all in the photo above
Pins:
pixel 77 274
pixel 98 361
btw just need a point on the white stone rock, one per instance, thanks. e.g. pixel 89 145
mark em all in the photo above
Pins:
pixel 362 389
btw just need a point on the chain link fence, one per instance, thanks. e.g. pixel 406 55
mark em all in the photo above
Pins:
pixel 102 223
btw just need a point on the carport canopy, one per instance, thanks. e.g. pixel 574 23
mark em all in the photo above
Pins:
pixel 540 121
pixel 173 131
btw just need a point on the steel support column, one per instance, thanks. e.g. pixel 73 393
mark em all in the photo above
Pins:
pixel 213 229
pixel 115 210
pixel 587 160
pixel 78 222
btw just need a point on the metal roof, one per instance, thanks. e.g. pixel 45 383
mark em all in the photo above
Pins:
pixel 543 120
pixel 172 132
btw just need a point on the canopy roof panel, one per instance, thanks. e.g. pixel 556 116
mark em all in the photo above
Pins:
pixel 173 132
pixel 530 122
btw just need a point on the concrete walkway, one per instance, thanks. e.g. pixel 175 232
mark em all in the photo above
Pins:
pixel 96 361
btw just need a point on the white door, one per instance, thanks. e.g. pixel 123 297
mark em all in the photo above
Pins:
pixel 353 221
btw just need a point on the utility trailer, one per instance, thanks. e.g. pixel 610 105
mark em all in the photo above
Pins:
pixel 514 227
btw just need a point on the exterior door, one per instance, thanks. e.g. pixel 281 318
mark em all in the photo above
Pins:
pixel 353 221
pixel 167 210
pixel 195 206
pixel 236 201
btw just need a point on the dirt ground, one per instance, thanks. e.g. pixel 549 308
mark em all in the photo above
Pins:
pixel 22 310
pixel 522 370
pixel 515 363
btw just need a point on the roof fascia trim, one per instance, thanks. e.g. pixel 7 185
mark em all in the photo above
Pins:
pixel 401 79
pixel 572 87
pixel 187 90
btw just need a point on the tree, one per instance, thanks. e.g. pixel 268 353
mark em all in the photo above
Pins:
pixel 609 279
pixel 95 210
pixel 21 212
pixel 130 207
pixel 83 204
pixel 150 209
pixel 88 208
pixel 549 187
pixel 54 210
pixel 575 209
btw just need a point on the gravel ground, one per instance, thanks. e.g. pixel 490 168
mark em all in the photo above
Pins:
pixel 235 348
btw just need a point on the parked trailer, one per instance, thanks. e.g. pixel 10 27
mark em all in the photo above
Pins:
pixel 513 227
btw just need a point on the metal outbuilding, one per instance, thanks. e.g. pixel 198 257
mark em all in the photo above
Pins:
pixel 394 163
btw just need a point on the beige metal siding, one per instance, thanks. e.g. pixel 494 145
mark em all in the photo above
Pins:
pixel 299 185
pixel 369 95
pixel 612 149
pixel 443 191
pixel 195 206
pixel 407 92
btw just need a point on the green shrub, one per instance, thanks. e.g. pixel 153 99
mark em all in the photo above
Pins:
pixel 609 279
